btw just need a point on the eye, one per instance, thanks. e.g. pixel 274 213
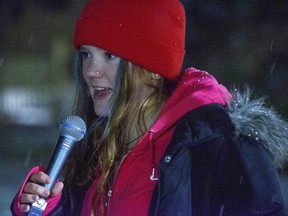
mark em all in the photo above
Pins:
pixel 84 54
pixel 110 56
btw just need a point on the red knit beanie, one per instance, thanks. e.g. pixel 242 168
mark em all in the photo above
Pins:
pixel 148 33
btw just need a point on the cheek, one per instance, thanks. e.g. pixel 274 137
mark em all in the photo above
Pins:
pixel 112 74
pixel 84 73
pixel 85 79
pixel 85 67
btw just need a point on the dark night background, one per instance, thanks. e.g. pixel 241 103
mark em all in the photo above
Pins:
pixel 240 42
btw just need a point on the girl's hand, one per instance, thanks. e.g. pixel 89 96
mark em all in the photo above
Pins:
pixel 33 190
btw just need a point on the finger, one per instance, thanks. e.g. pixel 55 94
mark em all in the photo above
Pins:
pixel 28 198
pixel 40 177
pixel 33 188
pixel 24 208
pixel 57 188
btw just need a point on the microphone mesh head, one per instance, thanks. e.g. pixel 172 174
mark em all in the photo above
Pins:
pixel 73 127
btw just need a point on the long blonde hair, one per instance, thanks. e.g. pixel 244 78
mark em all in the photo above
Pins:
pixel 110 138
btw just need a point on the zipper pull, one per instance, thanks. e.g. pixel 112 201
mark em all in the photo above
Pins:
pixel 109 194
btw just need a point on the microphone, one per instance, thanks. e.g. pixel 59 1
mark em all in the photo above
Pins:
pixel 71 130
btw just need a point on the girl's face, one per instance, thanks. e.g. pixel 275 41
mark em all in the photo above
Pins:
pixel 99 68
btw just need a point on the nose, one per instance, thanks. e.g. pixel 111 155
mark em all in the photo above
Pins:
pixel 97 74
pixel 94 70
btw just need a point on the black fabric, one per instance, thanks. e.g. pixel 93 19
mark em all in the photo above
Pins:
pixel 208 170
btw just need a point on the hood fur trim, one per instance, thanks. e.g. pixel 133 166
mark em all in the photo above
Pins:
pixel 253 118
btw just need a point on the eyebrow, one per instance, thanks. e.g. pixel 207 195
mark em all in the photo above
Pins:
pixel 82 48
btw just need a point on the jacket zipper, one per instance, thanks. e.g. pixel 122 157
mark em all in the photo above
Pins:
pixel 110 191
pixel 152 177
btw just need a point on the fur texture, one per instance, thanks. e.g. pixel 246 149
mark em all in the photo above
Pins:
pixel 253 118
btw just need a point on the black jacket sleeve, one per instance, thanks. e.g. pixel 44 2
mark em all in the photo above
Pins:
pixel 208 170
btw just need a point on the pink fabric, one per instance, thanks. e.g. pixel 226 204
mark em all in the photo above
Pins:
pixel 87 208
pixel 51 201
pixel 133 188
pixel 196 88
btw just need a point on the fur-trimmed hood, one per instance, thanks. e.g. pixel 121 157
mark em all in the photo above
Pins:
pixel 253 118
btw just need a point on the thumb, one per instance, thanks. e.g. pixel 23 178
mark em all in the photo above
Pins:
pixel 58 187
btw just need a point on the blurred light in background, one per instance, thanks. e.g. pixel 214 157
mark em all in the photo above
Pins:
pixel 27 107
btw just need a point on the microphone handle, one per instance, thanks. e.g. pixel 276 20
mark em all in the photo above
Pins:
pixel 60 154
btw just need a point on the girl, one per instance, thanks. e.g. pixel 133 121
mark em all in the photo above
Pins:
pixel 160 141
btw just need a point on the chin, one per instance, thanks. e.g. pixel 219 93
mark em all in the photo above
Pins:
pixel 102 113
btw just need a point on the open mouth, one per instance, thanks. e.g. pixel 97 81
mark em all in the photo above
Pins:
pixel 102 91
